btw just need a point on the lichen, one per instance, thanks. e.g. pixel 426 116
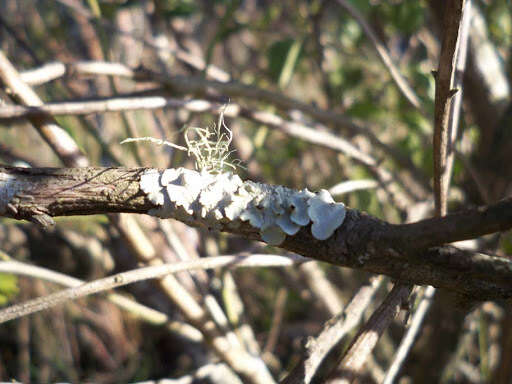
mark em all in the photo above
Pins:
pixel 325 214
pixel 10 186
pixel 224 198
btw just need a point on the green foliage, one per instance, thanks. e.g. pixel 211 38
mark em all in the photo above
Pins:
pixel 283 57
pixel 8 287
pixel 406 17
pixel 177 8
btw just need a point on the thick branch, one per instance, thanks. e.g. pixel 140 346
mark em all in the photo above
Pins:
pixel 409 252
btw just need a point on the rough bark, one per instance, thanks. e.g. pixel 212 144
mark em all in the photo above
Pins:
pixel 412 253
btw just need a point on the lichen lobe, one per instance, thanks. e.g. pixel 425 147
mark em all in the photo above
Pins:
pixel 224 198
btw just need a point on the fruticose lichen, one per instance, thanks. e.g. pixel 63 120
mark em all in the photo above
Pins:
pixel 224 199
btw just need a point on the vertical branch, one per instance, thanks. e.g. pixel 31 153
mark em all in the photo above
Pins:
pixel 443 100
pixel 460 67
pixel 447 112
pixel 453 122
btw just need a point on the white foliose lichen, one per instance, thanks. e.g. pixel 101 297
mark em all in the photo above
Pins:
pixel 224 199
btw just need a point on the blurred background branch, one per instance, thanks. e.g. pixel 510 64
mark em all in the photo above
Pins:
pixel 333 95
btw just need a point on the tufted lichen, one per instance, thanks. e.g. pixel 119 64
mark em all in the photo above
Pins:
pixel 224 199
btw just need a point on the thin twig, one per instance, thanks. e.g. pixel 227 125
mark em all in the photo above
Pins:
pixel 400 81
pixel 140 311
pixel 277 320
pixel 58 139
pixel 140 274
pixel 315 364
pixel 118 104
pixel 410 337
pixel 456 105
pixel 443 100
pixel 367 337
pixel 351 186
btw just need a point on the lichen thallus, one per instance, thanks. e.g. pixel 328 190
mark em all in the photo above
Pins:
pixel 222 200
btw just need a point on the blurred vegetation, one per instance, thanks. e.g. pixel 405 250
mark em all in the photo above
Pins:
pixel 312 51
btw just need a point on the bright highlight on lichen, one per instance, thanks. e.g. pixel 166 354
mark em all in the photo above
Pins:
pixel 224 200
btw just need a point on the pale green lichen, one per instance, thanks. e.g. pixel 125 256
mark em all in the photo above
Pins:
pixel 208 146
pixel 224 198
pixel 325 214
pixel 219 197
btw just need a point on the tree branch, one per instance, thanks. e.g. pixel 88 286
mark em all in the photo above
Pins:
pixel 443 101
pixel 407 252
pixel 129 277
pixel 367 337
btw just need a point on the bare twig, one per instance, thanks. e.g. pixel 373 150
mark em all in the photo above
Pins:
pixel 400 81
pixel 314 366
pixel 118 104
pixel 369 334
pixel 351 186
pixel 411 334
pixel 58 139
pixel 456 104
pixel 443 100
pixel 138 310
pixel 277 320
pixel 140 274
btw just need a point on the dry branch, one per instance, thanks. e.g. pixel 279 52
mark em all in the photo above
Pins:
pixel 411 253
pixel 369 334
pixel 211 89
pixel 65 147
pixel 443 101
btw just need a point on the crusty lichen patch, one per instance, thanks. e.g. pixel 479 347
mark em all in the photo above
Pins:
pixel 10 185
pixel 224 198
